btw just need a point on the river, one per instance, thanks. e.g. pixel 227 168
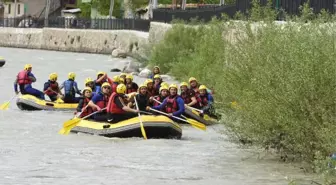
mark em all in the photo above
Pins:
pixel 31 151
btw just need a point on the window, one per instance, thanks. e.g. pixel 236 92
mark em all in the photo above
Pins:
pixel 18 9
pixel 9 8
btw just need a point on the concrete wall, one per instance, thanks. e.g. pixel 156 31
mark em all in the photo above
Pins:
pixel 90 41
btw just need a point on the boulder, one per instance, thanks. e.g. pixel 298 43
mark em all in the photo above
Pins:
pixel 119 53
pixel 132 66
pixel 145 73
pixel 166 77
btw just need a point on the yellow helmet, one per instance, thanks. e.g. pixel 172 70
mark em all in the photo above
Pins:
pixel 53 76
pixel 192 79
pixel 27 66
pixel 202 87
pixel 106 84
pixel 88 80
pixel 100 73
pixel 121 89
pixel 72 76
pixel 121 80
pixel 163 88
pixel 157 76
pixel 183 84
pixel 129 76
pixel 116 78
pixel 87 89
pixel 165 84
pixel 173 86
pixel 156 67
pixel 122 74
pixel 148 81
pixel 142 86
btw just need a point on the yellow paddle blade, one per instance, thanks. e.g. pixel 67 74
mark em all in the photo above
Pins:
pixel 206 117
pixel 68 125
pixel 196 124
pixel 195 112
pixel 71 122
pixel 59 101
pixel 143 131
pixel 4 106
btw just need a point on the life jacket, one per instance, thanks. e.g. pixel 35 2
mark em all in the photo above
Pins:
pixel 186 96
pixel 171 105
pixel 158 98
pixel 112 107
pixel 23 78
pixel 69 88
pixel 88 109
pixel 131 89
pixel 54 87
pixel 203 100
pixel 103 103
pixel 114 87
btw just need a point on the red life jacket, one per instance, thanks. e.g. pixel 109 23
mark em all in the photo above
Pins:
pixel 114 87
pixel 103 103
pixel 54 87
pixel 158 98
pixel 131 89
pixel 112 107
pixel 203 100
pixel 171 105
pixel 23 78
pixel 88 109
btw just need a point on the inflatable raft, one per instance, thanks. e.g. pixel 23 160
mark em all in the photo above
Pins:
pixel 2 61
pixel 206 120
pixel 155 127
pixel 29 102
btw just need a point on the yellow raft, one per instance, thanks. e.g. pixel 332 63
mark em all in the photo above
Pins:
pixel 155 127
pixel 29 102
pixel 206 120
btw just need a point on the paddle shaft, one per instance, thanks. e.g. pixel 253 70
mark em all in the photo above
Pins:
pixel 83 111
pixel 168 115
pixel 141 124
pixel 94 113
pixel 195 109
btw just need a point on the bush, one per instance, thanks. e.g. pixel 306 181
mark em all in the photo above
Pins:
pixel 281 78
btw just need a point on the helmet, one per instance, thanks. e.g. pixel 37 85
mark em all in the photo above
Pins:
pixel 27 66
pixel 202 87
pixel 192 79
pixel 87 89
pixel 157 67
pixel 142 86
pixel 53 76
pixel 105 84
pixel 121 89
pixel 173 86
pixel 183 84
pixel 72 76
pixel 157 76
pixel 121 80
pixel 88 80
pixel 123 74
pixel 148 81
pixel 165 84
pixel 116 78
pixel 100 73
pixel 129 76
pixel 163 88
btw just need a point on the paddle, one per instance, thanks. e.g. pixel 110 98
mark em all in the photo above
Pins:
pixel 59 100
pixel 68 125
pixel 80 113
pixel 5 105
pixel 198 111
pixel 192 122
pixel 141 124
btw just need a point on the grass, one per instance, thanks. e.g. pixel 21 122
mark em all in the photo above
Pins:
pixel 281 78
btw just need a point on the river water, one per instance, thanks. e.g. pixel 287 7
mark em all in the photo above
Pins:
pixel 31 151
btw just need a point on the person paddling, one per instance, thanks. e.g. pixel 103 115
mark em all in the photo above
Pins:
pixel 99 101
pixel 90 83
pixel 189 97
pixel 142 98
pixel 117 108
pixel 206 102
pixel 173 104
pixel 130 85
pixel 150 88
pixel 24 80
pixel 83 107
pixel 51 88
pixel 70 89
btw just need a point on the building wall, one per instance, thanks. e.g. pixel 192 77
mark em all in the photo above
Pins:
pixel 9 10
